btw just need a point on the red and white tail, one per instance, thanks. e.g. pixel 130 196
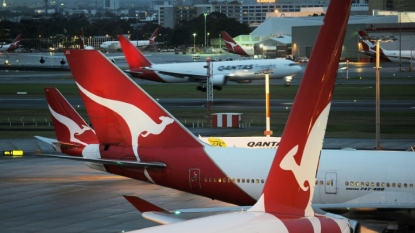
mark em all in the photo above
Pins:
pixel 231 45
pixel 153 36
pixel 290 184
pixel 121 112
pixel 81 39
pixel 133 55
pixel 15 44
pixel 69 126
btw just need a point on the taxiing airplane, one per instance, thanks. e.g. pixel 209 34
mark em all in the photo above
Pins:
pixel 369 48
pixel 243 71
pixel 12 46
pixel 115 45
pixel 233 47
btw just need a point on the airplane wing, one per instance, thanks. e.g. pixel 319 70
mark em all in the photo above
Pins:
pixel 328 207
pixel 110 161
pixel 162 216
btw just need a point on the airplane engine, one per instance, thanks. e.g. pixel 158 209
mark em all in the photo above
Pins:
pixel 219 80
pixel 42 60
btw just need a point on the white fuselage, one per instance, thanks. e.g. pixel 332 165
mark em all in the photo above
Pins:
pixel 115 45
pixel 237 71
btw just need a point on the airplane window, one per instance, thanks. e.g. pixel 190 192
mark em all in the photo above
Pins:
pixel 233 180
pixel 316 182
pixel 328 182
pixel 377 184
pixel 243 180
pixel 247 180
pixel 383 184
pixel 210 179
pixel 399 185
pixel 372 184
pixel 219 180
pixel 214 179
pixel 206 179
pixel 257 181
pixel 351 183
pixel 362 183
pixel 321 182
pixel 357 183
pixel 347 183
pixel 405 185
pixel 387 185
pixel 252 181
pixel 393 185
pixel 239 180
pixel 411 185
pixel 367 183
pixel 262 180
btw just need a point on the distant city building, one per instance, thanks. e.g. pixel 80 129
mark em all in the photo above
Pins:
pixel 111 4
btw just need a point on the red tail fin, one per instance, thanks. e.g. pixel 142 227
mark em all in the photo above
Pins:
pixel 229 42
pixel 297 157
pixel 133 55
pixel 15 44
pixel 120 111
pixel 69 125
pixel 154 36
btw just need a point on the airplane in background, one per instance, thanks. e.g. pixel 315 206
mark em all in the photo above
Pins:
pixel 82 44
pixel 243 71
pixel 369 48
pixel 12 46
pixel 115 45
pixel 233 47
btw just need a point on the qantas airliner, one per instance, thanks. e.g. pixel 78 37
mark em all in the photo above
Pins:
pixel 369 48
pixel 115 45
pixel 158 149
pixel 284 204
pixel 233 47
pixel 243 71
pixel 12 46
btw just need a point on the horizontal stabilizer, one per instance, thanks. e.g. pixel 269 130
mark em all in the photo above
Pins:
pixel 143 205
pixel 161 218
pixel 110 161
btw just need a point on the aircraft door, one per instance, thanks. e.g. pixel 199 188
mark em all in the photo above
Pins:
pixel 194 178
pixel 331 183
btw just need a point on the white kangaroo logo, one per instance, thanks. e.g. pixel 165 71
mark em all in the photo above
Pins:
pixel 137 120
pixel 73 127
pixel 231 44
pixel 288 163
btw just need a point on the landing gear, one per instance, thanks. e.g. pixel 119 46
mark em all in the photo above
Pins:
pixel 203 88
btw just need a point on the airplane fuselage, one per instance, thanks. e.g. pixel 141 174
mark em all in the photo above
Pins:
pixel 115 45
pixel 345 178
pixel 236 71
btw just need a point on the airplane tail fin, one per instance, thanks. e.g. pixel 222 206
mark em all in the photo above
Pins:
pixel 153 36
pixel 81 39
pixel 290 184
pixel 69 126
pixel 133 55
pixel 121 112
pixel 15 44
pixel 229 42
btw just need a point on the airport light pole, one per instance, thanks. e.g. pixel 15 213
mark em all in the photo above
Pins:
pixel 194 42
pixel 268 131
pixel 205 14
pixel 378 95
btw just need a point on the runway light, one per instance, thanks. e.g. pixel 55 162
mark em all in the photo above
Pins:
pixel 177 212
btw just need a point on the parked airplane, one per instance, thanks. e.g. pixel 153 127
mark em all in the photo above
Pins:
pixel 12 46
pixel 369 48
pixel 236 71
pixel 285 202
pixel 233 47
pixel 82 41
pixel 115 45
